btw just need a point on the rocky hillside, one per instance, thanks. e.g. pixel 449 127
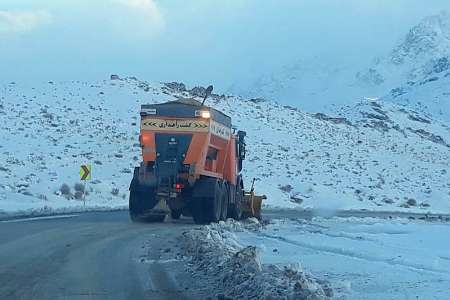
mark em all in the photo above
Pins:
pixel 430 94
pixel 376 156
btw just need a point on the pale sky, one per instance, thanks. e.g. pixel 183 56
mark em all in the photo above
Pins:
pixel 201 42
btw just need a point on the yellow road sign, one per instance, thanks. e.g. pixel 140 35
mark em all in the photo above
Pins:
pixel 85 172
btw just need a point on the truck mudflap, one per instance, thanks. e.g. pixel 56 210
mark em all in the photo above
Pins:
pixel 142 181
pixel 144 205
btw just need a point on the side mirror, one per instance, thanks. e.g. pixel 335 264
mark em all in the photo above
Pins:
pixel 242 150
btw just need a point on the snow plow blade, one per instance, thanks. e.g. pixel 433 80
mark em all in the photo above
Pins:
pixel 252 205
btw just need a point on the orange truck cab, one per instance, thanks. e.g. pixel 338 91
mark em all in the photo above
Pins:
pixel 191 164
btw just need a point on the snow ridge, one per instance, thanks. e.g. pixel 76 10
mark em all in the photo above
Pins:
pixel 428 40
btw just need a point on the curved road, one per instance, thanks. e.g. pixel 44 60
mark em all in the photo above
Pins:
pixel 91 256
pixel 105 256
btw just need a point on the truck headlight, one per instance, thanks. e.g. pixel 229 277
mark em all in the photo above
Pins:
pixel 205 114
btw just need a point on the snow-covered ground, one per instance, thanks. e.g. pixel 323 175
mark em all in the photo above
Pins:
pixel 375 156
pixel 362 258
pixel 48 131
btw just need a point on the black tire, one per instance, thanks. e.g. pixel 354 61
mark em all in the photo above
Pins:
pixel 135 206
pixel 175 214
pixel 215 203
pixel 199 210
pixel 225 201
pixel 140 203
pixel 208 209
pixel 236 207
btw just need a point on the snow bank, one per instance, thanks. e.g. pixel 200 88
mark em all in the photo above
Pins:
pixel 350 252
pixel 238 271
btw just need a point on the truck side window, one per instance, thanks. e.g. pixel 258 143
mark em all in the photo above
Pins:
pixel 212 154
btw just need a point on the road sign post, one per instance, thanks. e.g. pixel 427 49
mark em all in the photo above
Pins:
pixel 85 175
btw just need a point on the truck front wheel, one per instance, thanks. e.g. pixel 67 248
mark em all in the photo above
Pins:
pixel 216 203
pixel 236 207
pixel 199 210
pixel 225 201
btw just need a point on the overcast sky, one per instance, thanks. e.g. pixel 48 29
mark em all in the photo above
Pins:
pixel 202 41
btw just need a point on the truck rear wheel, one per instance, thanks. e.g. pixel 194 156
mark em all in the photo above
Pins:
pixel 135 205
pixel 208 209
pixel 199 210
pixel 175 214
pixel 140 205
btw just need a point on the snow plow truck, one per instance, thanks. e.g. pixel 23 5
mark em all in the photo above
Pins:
pixel 191 165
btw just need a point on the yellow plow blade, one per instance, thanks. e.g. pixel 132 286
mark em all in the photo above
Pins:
pixel 252 205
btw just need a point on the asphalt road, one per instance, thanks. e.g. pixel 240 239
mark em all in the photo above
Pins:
pixel 104 255
pixel 91 256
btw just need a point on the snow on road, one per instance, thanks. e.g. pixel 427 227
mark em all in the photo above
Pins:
pixel 363 258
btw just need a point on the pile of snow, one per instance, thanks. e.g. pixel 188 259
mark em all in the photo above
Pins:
pixel 238 272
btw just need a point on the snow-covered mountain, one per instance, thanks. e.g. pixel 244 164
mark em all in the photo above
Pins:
pixel 424 49
pixel 416 72
pixel 375 155
pixel 311 84
pixel 420 57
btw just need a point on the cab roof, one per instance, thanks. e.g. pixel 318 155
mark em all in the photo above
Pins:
pixel 183 108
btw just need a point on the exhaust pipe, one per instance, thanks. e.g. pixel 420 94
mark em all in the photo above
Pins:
pixel 208 92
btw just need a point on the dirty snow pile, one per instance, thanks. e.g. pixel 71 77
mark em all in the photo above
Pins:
pixel 237 271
